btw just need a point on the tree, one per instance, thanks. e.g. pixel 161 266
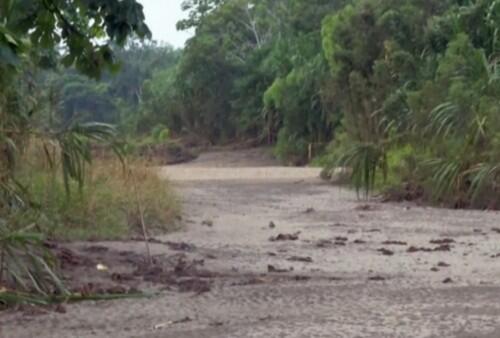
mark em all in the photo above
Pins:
pixel 85 29
pixel 245 46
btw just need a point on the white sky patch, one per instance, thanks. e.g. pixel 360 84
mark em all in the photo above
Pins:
pixel 161 17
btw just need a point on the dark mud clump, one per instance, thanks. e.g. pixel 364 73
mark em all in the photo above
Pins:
pixel 195 285
pixel 386 252
pixel 377 279
pixel 366 207
pixel 373 230
pixel 181 246
pixel 324 243
pixel 273 269
pixel 413 249
pixel 68 258
pixel 178 273
pixel 443 247
pixel 250 280
pixel 300 259
pixel 175 246
pixel 111 272
pixel 285 237
pixel 394 243
pixel 341 239
pixel 442 241
pixel 96 249
pixel 409 192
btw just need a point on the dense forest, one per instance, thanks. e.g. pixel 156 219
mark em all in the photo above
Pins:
pixel 403 93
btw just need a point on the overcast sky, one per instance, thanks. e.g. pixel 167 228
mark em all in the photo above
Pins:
pixel 161 17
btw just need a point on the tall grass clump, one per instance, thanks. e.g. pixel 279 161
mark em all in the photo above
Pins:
pixel 112 204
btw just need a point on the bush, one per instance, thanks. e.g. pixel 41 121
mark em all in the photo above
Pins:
pixel 160 134
pixel 334 150
pixel 291 149
pixel 402 165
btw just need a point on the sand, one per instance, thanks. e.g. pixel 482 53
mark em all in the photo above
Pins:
pixel 337 282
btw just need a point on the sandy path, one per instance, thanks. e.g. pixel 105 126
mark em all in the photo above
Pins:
pixel 348 289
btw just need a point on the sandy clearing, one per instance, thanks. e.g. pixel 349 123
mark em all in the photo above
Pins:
pixel 183 174
pixel 350 289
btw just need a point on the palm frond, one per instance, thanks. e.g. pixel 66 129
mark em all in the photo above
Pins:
pixel 75 144
pixel 25 264
pixel 446 175
pixel 365 160
pixel 444 119
pixel 483 176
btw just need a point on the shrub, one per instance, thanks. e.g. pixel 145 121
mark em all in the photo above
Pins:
pixel 290 148
pixel 160 134
pixel 402 165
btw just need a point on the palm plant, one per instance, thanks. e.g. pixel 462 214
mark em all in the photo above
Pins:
pixel 25 264
pixel 365 161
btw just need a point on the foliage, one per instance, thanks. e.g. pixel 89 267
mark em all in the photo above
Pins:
pixel 25 263
pixel 76 25
pixel 404 90
pixel 130 98
pixel 291 148
pixel 253 68
pixel 420 76
pixel 34 34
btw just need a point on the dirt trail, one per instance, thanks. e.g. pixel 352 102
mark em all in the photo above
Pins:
pixel 348 268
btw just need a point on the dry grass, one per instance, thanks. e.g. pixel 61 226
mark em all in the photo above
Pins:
pixel 108 206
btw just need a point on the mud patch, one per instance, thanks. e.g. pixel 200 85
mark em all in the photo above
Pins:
pixel 285 237
pixel 366 207
pixel 395 243
pixel 300 259
pixel 386 252
pixel 182 246
pixel 443 247
pixel 442 241
pixel 111 272
pixel 377 279
pixel 274 269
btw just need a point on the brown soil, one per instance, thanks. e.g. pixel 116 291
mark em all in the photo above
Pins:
pixel 336 279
